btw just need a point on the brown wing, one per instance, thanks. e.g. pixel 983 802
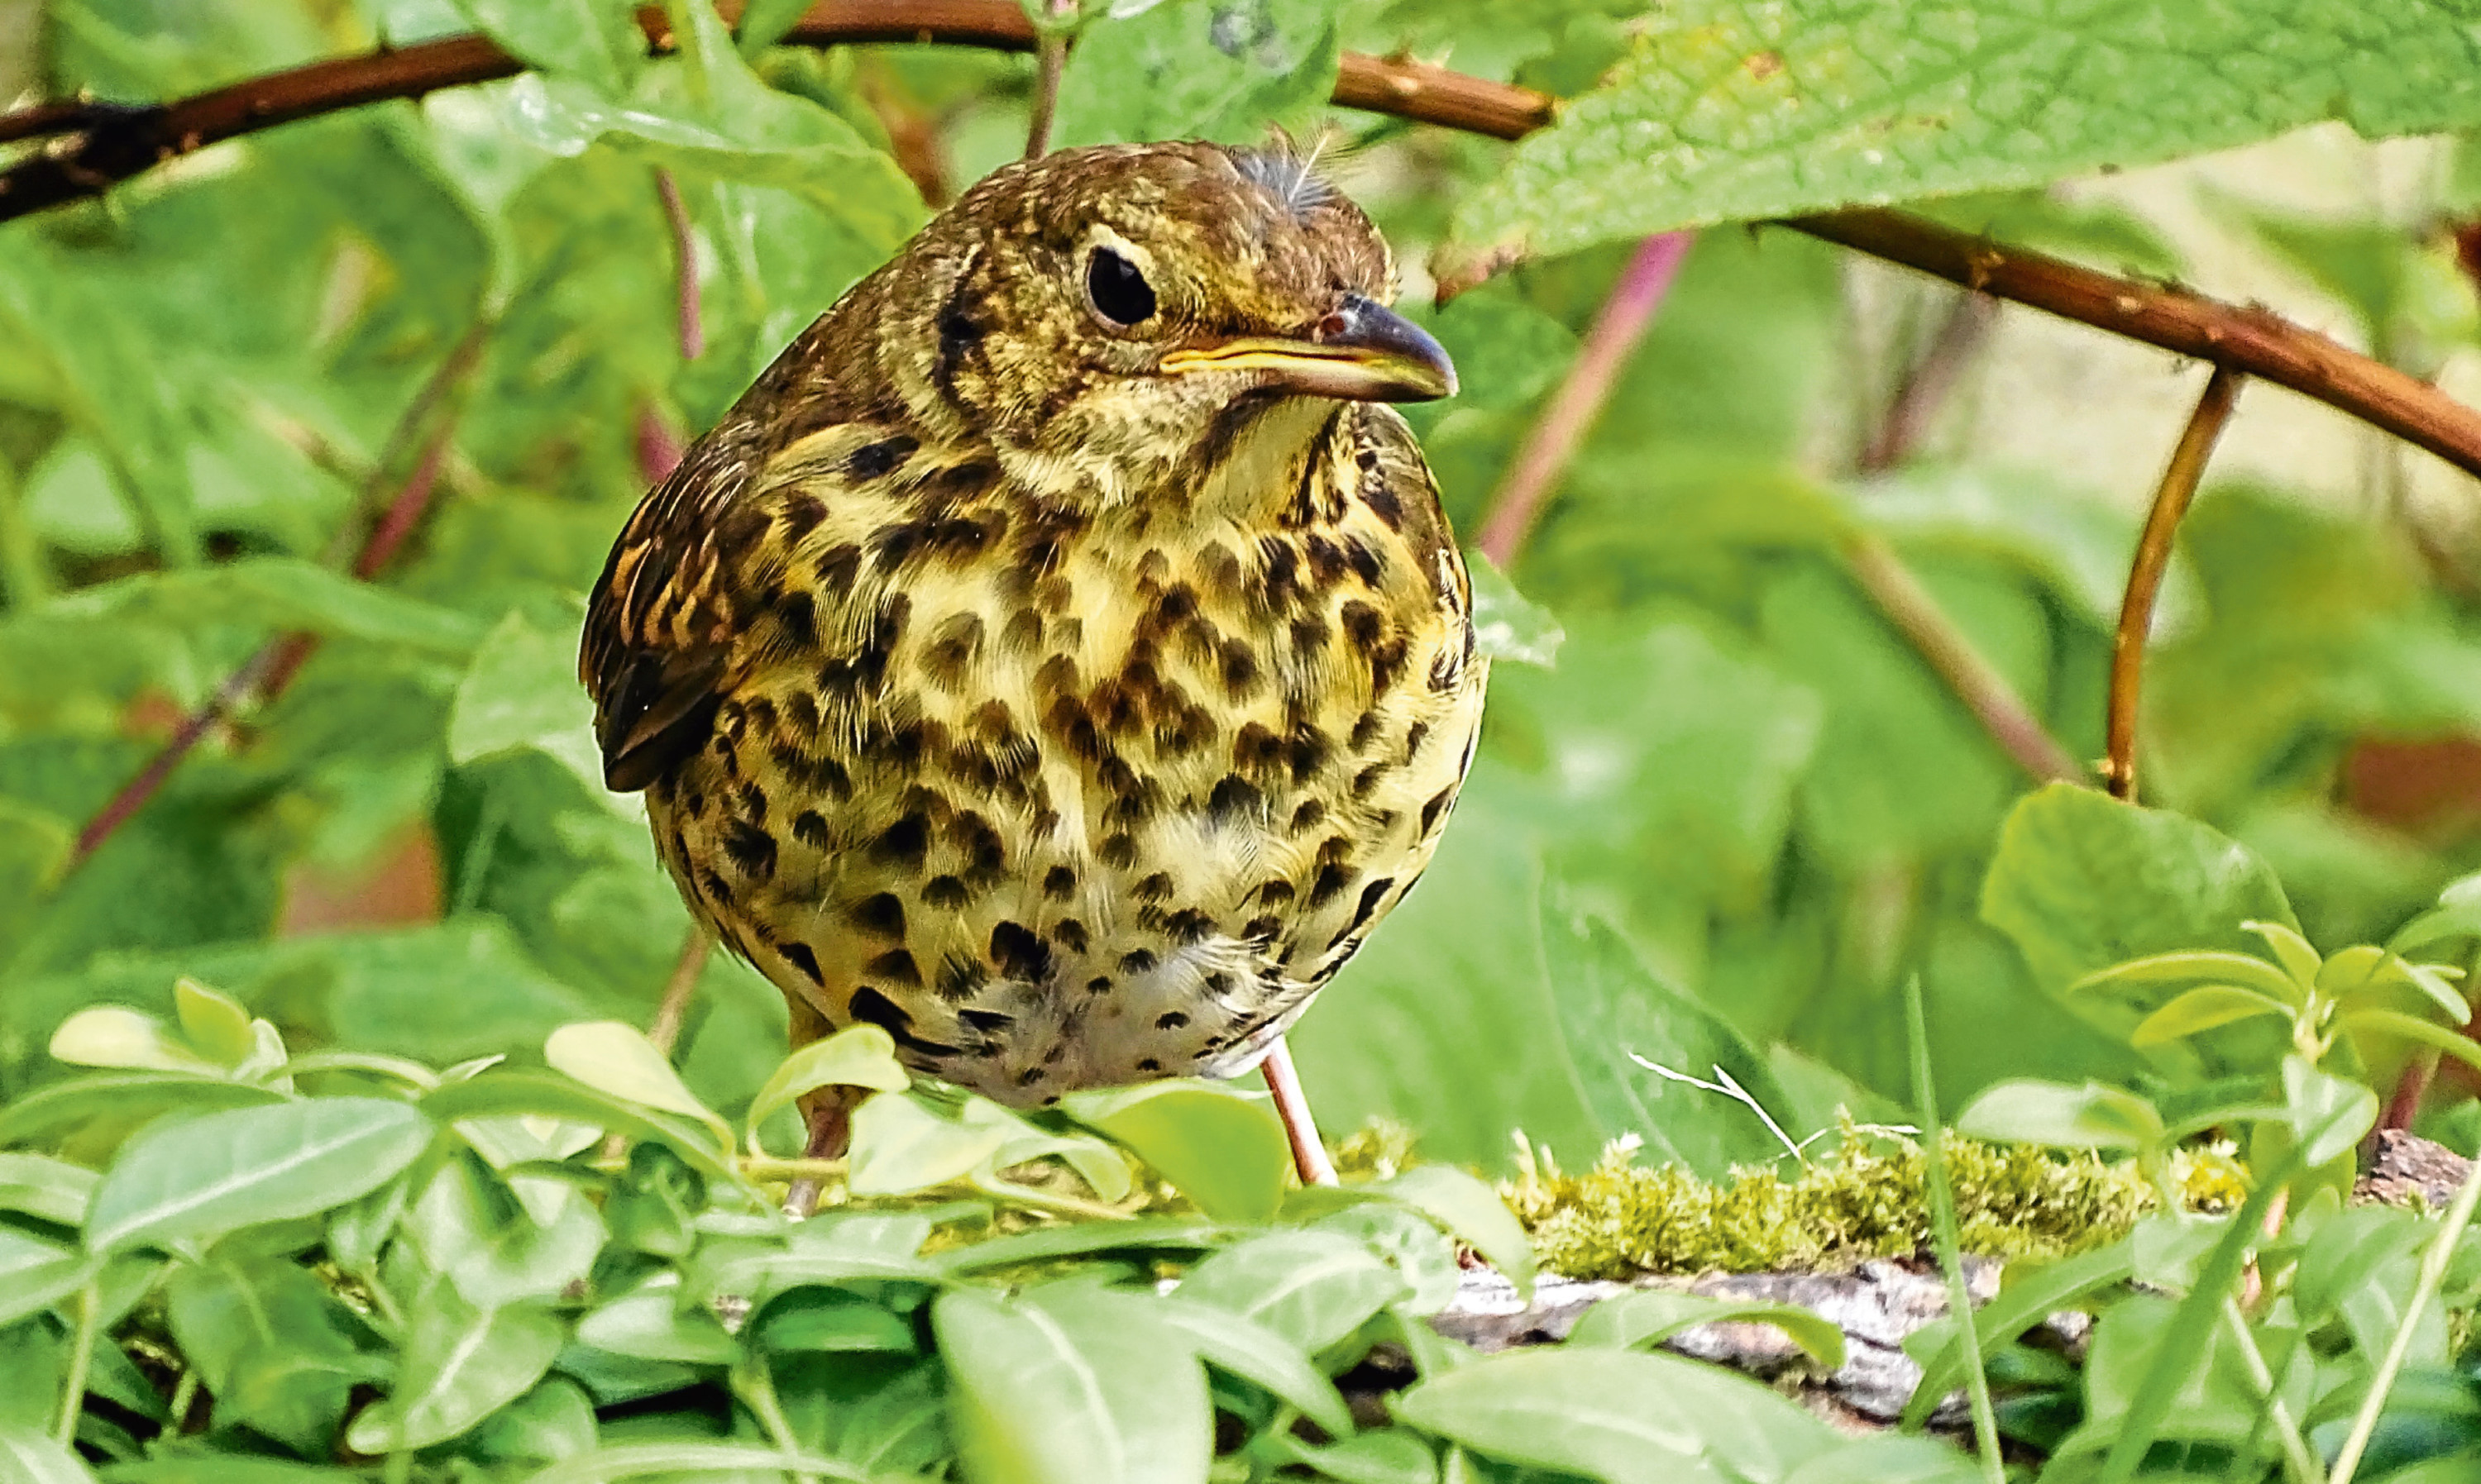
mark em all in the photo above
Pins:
pixel 662 626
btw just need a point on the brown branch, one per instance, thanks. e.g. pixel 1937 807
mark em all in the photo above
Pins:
pixel 665 1030
pixel 2242 338
pixel 2145 575
pixel 92 154
pixel 1915 614
pixel 1928 381
pixel 1617 327
pixel 267 673
pixel 685 256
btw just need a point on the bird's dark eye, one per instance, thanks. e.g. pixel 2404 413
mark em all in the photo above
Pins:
pixel 1120 293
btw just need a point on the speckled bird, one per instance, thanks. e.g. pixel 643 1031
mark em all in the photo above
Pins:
pixel 1059 656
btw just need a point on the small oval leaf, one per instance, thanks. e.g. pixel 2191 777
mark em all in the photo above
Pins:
pixel 2202 1009
pixel 612 1056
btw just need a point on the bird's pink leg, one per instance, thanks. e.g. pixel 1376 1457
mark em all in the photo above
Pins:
pixel 1293 1106
pixel 828 1112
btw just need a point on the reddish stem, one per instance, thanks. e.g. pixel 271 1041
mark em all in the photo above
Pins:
pixel 684 254
pixel 1617 328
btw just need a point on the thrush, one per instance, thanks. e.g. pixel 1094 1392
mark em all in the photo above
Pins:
pixel 1058 657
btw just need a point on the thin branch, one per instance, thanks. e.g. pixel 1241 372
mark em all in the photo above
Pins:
pixel 1049 59
pixel 1915 614
pixel 1570 415
pixel 2145 575
pixel 1960 336
pixel 666 1028
pixel 685 259
pixel 91 156
pixel 266 673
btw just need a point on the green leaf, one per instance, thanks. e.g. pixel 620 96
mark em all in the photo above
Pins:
pixel 693 1460
pixel 2329 1114
pixel 1649 1317
pixel 271 594
pixel 904 1141
pixel 2083 883
pixel 597 42
pixel 521 691
pixel 115 1035
pixel 272 1346
pixel 616 1058
pixel 1220 1147
pixel 1385 1456
pixel 833 1247
pixel 2029 1297
pixel 1612 1011
pixel 830 1322
pixel 2414 1028
pixel 190 1181
pixel 861 1056
pixel 1058 1386
pixel 2202 1009
pixel 649 1323
pixel 2424 978
pixel 2299 958
pixel 517 1092
pixel 28 1457
pixel 471 1229
pixel 215 1024
pixel 46 1188
pixel 2259 976
pixel 461 1365
pixel 1888 1459
pixel 1313 1288
pixel 2093 1116
pixel 1617 1415
pixel 1471 1210
pixel 82 1105
pixel 2457 914
pixel 1507 624
pixel 763 22
pixel 35 1273
pixel 1232 1342
pixel 1146 1234
pixel 1200 70
pixel 1727 113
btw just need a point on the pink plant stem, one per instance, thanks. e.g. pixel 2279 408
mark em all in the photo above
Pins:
pixel 685 254
pixel 1292 1109
pixel 1536 470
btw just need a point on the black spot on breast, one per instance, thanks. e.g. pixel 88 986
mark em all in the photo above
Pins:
pixel 882 915
pixel 1153 888
pixel 1310 634
pixel 1188 925
pixel 1017 953
pixel 1262 930
pixel 1060 883
pixel 810 828
pixel 954 645
pixel 1137 961
pixel 1150 1064
pixel 800 514
pixel 828 777
pixel 906 843
pixel 1238 665
pixel 1380 497
pixel 1368 779
pixel 1099 985
pixel 946 893
pixel 838 567
pixel 895 967
pixel 1364 731
pixel 801 956
pixel 1234 799
pixel 872 1008
pixel 1327 561
pixel 1361 624
pixel 751 849
pixel 986 1021
pixel 1438 802
pixel 1414 736
pixel 1070 934
pixel 1309 815
pixel 1332 880
pixel 1366 563
pixel 1119 851
pixel 960 977
pixel 872 460
pixel 1170 1019
pixel 1371 895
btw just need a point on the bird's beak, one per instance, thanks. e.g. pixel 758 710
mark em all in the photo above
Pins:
pixel 1364 352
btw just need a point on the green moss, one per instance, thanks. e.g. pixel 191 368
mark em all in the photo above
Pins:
pixel 1618 1220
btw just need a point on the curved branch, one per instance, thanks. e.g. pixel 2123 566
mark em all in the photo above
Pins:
pixel 2171 500
pixel 98 146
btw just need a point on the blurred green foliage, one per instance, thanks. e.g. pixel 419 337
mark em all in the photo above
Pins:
pixel 1716 834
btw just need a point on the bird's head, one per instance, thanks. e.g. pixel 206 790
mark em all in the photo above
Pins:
pixel 1113 318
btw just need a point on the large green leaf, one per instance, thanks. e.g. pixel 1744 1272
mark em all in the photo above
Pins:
pixel 191 1181
pixel 272 1346
pixel 461 1365
pixel 1313 1288
pixel 2083 883
pixel 1618 1415
pixel 595 40
pixel 1727 111
pixel 1053 1386
pixel 1218 69
pixel 1220 1148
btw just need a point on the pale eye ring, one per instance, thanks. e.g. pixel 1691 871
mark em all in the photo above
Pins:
pixel 1117 289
